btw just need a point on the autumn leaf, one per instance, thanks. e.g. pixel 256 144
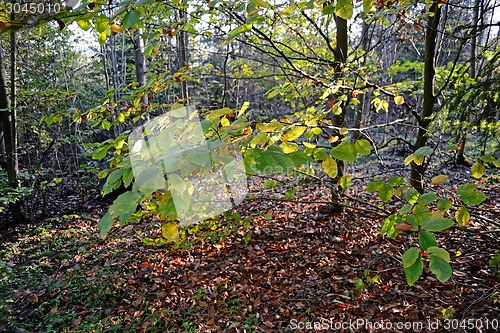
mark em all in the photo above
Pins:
pixel 399 100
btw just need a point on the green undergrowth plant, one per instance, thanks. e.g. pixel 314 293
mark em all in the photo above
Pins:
pixel 427 214
pixel 293 145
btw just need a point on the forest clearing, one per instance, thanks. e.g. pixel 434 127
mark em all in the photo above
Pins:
pixel 250 166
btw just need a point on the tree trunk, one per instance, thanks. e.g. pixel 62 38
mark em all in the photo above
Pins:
pixel 417 171
pixel 140 66
pixel 339 120
pixel 460 159
pixel 365 100
pixel 8 120
pixel 182 43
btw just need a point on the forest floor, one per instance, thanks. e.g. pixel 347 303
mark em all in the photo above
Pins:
pixel 303 269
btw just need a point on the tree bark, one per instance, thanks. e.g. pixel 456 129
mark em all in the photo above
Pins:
pixel 8 120
pixel 182 43
pixel 340 55
pixel 140 66
pixel 460 159
pixel 417 171
pixel 365 100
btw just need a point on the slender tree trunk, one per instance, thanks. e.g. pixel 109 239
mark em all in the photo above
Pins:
pixel 340 55
pixel 460 159
pixel 140 66
pixel 417 171
pixel 365 101
pixel 8 120
pixel 182 43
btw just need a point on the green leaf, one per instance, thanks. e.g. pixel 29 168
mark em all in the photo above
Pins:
pixel 125 205
pixel 437 224
pixel 344 9
pixel 102 23
pixel 442 253
pixel 345 182
pixel 423 151
pixel 478 169
pixel 488 158
pixel 412 195
pixel 248 236
pixel 427 198
pixel 283 163
pixel 413 272
pixel 176 183
pixel 473 198
pixel 444 204
pixel 388 226
pixel 104 225
pixel 360 285
pixel 462 216
pixel 113 181
pixel 466 189
pixel 497 163
pixel 363 147
pixel 426 239
pixel 150 180
pixel 170 232
pixel 300 158
pixel 395 180
pixel 294 133
pixel 385 193
pixel 84 24
pixel 219 113
pixel 132 19
pixel 330 167
pixel 329 9
pixel 421 214
pixel 320 154
pixel 368 5
pixel 410 256
pixel 440 267
pixel 344 152
pixel 406 208
pixel 101 152
pixel 374 185
pixel 265 163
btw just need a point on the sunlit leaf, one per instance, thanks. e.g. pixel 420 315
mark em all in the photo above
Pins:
pixel 462 216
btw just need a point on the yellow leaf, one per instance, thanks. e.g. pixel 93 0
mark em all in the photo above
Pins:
pixel 170 232
pixel 389 88
pixel 343 131
pixel 436 214
pixel 116 28
pixel 439 179
pixel 261 3
pixel 399 100
pixel 330 167
pixel 409 159
pixel 155 51
pixel 333 139
pixel 289 147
